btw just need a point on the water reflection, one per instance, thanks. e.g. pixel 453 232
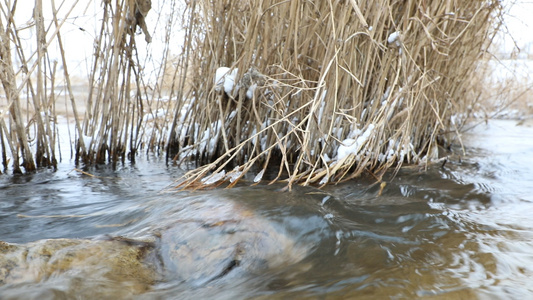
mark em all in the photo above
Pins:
pixel 462 231
pixel 69 203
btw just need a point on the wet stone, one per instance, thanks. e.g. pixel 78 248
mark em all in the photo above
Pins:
pixel 222 240
pixel 76 265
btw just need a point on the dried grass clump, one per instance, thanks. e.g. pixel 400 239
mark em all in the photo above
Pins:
pixel 115 103
pixel 124 112
pixel 341 87
pixel 27 110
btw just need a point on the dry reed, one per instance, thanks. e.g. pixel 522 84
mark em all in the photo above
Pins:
pixel 323 90
pixel 341 87
pixel 28 127
pixel 122 113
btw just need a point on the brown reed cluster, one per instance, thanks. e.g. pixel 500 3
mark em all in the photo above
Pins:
pixel 318 91
pixel 113 116
pixel 25 132
pixel 111 129
pixel 323 91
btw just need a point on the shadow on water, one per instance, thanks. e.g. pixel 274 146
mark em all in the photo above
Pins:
pixel 461 231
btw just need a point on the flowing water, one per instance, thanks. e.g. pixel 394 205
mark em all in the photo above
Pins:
pixel 459 231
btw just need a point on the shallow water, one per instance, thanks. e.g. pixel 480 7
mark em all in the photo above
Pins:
pixel 462 231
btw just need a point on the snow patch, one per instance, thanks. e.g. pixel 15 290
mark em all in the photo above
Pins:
pixel 352 146
pixel 87 140
pixel 250 91
pixel 225 79
pixel 213 178
pixel 234 175
pixel 259 176
pixel 154 115
pixel 394 38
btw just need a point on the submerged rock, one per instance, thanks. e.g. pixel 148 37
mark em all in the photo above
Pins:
pixel 55 267
pixel 222 239
pixel 227 239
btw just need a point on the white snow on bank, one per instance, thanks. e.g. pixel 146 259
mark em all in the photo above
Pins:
pixel 394 38
pixel 87 140
pixel 210 137
pixel 406 148
pixel 259 176
pixel 250 91
pixel 160 113
pixel 225 79
pixel 324 180
pixel 352 146
pixel 213 178
pixel 234 175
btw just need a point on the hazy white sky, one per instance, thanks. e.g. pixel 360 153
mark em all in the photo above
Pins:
pixel 79 30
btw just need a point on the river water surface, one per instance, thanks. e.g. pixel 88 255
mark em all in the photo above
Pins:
pixel 461 231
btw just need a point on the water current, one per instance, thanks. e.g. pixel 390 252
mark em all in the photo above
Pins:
pixel 459 231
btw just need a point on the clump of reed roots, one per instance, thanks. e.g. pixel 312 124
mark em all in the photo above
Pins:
pixel 323 91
